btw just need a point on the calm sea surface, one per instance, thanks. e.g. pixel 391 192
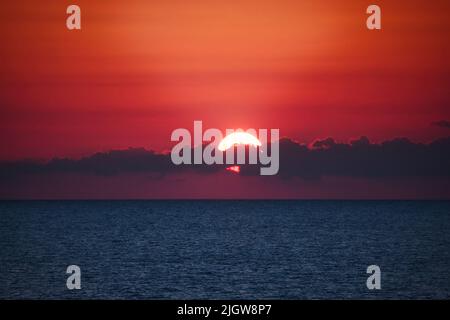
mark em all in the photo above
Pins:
pixel 225 249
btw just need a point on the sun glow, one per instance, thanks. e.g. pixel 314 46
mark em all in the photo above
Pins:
pixel 235 169
pixel 237 138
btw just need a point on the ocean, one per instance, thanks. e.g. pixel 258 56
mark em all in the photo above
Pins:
pixel 225 249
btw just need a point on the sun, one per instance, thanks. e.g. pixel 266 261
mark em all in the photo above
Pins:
pixel 237 138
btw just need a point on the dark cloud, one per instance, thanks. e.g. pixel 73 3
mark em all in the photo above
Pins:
pixel 102 163
pixel 442 124
pixel 358 158
pixel 325 143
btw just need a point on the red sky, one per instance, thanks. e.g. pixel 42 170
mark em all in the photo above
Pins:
pixel 139 69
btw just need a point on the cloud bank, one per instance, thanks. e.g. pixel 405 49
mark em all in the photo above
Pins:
pixel 359 158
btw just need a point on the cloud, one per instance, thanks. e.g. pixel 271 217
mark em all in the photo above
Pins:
pixel 323 143
pixel 102 163
pixel 442 124
pixel 359 158
pixel 394 158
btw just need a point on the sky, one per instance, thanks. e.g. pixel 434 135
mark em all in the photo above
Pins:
pixel 140 69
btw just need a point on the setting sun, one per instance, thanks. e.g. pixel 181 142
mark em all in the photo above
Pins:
pixel 237 138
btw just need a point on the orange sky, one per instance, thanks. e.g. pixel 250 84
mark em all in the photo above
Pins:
pixel 139 69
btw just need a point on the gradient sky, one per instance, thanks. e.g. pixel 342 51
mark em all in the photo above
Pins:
pixel 140 69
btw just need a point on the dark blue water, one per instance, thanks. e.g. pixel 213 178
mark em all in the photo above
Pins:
pixel 225 249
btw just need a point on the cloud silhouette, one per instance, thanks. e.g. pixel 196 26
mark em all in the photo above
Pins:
pixel 359 158
pixel 394 158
